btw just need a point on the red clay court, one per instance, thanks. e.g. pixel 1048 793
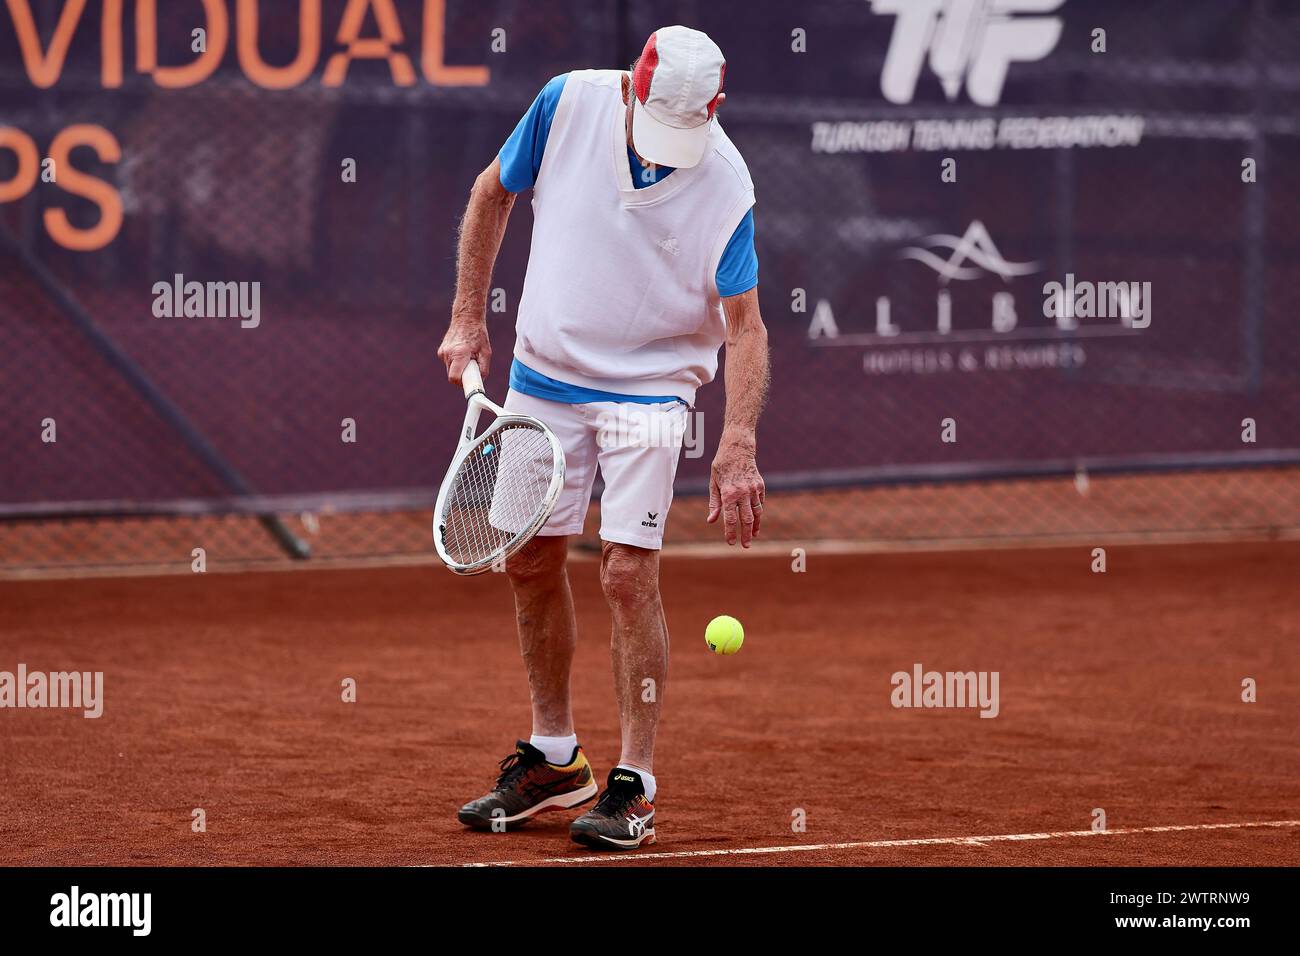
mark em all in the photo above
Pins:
pixel 1119 690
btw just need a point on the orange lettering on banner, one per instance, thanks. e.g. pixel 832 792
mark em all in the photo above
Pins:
pixel 278 77
pixel 28 160
pixel 88 187
pixel 217 25
pixel 435 70
pixel 390 32
pixel 110 44
pixel 43 69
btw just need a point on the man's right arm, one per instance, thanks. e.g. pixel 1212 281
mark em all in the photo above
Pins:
pixel 514 169
pixel 481 230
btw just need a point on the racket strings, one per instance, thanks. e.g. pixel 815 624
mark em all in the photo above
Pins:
pixel 497 493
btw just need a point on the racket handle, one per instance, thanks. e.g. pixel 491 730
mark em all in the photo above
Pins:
pixel 471 379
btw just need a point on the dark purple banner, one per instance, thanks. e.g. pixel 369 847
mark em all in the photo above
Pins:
pixel 989 234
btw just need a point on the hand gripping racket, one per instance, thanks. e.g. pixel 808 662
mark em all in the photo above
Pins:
pixel 501 487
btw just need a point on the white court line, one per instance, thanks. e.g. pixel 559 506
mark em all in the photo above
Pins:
pixel 884 844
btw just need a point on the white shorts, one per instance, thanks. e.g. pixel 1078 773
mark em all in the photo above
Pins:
pixel 636 448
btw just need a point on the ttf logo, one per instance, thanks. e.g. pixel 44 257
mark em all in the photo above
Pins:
pixel 969 41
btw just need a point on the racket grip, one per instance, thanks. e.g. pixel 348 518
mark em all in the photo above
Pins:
pixel 471 379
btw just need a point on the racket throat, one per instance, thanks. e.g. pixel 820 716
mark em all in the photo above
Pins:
pixel 470 427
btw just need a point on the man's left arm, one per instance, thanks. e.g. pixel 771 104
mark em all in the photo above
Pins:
pixel 736 489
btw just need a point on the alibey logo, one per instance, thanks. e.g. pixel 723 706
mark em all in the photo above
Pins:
pixel 975 245
pixel 971 42
pixel 973 255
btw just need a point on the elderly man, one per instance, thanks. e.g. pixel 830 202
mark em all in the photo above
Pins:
pixel 642 265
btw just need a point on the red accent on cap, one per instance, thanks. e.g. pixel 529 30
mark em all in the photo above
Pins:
pixel 713 103
pixel 645 69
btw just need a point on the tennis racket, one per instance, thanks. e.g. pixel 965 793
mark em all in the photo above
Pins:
pixel 501 487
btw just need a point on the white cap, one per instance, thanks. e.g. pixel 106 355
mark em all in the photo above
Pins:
pixel 676 83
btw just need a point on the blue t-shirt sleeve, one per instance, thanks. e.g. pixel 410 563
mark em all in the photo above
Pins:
pixel 738 267
pixel 521 156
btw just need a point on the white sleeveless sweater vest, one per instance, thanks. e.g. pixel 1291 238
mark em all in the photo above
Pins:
pixel 620 292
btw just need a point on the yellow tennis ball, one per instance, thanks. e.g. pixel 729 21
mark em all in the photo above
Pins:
pixel 724 635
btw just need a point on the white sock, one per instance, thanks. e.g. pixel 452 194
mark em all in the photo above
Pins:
pixel 557 749
pixel 647 778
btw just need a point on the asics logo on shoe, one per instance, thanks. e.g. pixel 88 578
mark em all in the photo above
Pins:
pixel 625 778
pixel 636 825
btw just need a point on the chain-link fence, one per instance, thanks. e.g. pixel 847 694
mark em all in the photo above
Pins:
pixel 923 172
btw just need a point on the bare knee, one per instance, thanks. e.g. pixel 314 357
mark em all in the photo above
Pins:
pixel 629 576
pixel 539 563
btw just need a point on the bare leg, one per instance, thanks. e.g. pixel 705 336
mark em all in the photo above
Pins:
pixel 639 646
pixel 548 630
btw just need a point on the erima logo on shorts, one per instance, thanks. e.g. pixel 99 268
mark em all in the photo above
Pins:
pixel 650 522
